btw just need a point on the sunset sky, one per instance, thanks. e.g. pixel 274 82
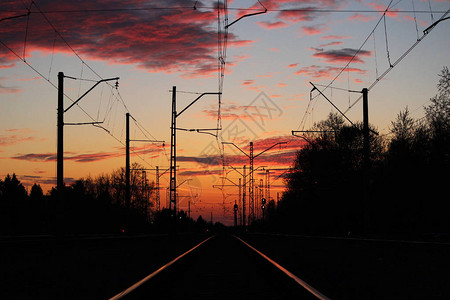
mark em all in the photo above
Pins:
pixel 153 45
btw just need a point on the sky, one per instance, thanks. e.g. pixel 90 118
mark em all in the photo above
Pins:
pixel 263 63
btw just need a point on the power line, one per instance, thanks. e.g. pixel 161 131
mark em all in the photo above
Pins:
pixel 391 65
pixel 354 55
pixel 64 40
pixel 118 97
pixel 425 33
pixel 315 10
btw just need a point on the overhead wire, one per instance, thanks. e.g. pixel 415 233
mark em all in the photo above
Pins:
pixel 352 58
pixel 391 65
pixel 317 10
pixel 84 63
pixel 26 34
pixel 415 19
pixel 387 41
pixel 425 33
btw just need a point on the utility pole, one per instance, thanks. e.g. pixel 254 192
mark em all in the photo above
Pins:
pixel 251 200
pixel 251 156
pixel 244 186
pixel 157 186
pixel 366 153
pixel 189 208
pixel 261 186
pixel 263 208
pixel 60 138
pixel 60 130
pixel 366 127
pixel 158 194
pixel 260 196
pixel 235 209
pixel 173 154
pixel 240 200
pixel 145 194
pixel 366 148
pixel 127 164
pixel 173 146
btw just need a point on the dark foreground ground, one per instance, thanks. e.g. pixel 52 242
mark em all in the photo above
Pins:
pixel 356 269
pixel 92 268
pixel 223 268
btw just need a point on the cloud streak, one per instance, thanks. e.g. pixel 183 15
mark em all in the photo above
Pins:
pixel 343 55
pixel 16 136
pixel 153 150
pixel 318 72
pixel 151 37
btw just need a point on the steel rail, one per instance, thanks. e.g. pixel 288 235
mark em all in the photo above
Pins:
pixel 150 276
pixel 305 285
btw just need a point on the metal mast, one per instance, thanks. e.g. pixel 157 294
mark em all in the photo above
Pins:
pixel 60 147
pixel 127 163
pixel 251 201
pixel 240 201
pixel 173 154
pixel 157 195
pixel 244 186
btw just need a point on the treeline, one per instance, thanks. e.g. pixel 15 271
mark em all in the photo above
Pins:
pixel 88 206
pixel 406 192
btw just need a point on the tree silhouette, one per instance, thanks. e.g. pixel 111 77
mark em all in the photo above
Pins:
pixel 407 177
pixel 13 196
pixel 36 192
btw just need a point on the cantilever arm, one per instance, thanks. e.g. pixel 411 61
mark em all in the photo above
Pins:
pixel 82 96
pixel 247 15
pixel 196 101
pixel 229 143
pixel 279 143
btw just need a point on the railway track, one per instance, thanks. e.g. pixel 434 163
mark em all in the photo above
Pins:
pixel 221 267
pixel 195 266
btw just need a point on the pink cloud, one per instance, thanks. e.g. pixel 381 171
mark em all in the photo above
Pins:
pixel 157 40
pixel 9 90
pixel 153 149
pixel 301 15
pixel 342 55
pixel 7 66
pixel 272 25
pixel 361 18
pixel 295 11
pixel 381 7
pixel 16 136
pixel 277 160
pixel 313 30
pixel 331 44
pixel 282 155
pixel 317 72
pixel 334 37
pixel 230 111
